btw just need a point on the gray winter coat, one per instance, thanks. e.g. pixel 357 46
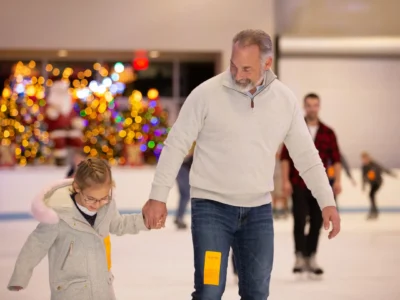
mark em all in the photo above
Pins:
pixel 78 266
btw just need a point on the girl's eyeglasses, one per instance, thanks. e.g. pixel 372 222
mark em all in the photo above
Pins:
pixel 91 200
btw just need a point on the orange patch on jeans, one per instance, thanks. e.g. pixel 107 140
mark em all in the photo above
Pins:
pixel 212 267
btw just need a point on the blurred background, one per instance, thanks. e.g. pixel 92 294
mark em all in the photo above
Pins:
pixel 113 77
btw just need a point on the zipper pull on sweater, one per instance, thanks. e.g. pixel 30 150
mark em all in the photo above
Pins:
pixel 252 103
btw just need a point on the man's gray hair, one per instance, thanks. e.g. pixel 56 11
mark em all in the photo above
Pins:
pixel 255 37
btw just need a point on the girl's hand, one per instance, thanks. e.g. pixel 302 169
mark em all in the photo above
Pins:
pixel 15 288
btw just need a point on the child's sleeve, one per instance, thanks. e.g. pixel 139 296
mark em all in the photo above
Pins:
pixel 126 223
pixel 384 169
pixel 34 250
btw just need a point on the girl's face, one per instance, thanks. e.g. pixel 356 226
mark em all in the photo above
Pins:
pixel 94 197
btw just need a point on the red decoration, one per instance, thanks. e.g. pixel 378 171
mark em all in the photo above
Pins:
pixel 140 63
pixel 158 110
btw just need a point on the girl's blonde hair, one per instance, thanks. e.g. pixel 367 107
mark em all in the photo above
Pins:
pixel 92 171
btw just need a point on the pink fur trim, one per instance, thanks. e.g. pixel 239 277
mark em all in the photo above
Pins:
pixel 40 211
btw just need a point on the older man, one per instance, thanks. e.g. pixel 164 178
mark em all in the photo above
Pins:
pixel 238 120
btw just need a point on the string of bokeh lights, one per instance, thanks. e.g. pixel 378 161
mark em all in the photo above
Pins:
pixel 21 114
pixel 99 105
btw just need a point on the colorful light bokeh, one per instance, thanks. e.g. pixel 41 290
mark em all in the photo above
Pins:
pixel 21 114
pixel 106 128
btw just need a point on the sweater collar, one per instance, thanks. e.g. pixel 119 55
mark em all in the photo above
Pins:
pixel 227 81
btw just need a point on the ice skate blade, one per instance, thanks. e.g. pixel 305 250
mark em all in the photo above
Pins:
pixel 298 270
pixel 300 276
pixel 314 276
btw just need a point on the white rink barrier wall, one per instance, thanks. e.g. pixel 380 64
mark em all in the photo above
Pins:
pixel 18 187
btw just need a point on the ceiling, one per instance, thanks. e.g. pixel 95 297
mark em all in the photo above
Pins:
pixel 64 55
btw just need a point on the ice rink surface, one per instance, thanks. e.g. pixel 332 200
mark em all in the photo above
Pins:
pixel 363 262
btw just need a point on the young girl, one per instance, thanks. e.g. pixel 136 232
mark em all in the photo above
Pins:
pixel 76 216
pixel 372 174
pixel 77 157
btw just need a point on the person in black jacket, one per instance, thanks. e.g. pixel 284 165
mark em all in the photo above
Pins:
pixel 184 190
pixel 372 175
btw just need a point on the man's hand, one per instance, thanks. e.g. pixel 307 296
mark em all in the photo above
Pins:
pixel 155 213
pixel 287 188
pixel 330 215
pixel 337 188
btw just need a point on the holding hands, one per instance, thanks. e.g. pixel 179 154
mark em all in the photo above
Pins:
pixel 155 214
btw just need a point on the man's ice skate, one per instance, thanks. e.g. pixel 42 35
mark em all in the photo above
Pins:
pixel 180 224
pixel 372 216
pixel 313 267
pixel 300 264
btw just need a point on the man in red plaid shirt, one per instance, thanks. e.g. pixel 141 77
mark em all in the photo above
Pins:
pixel 304 203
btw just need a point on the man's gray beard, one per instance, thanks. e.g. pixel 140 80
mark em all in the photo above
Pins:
pixel 244 89
pixel 250 86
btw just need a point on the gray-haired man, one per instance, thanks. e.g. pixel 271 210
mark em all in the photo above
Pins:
pixel 238 120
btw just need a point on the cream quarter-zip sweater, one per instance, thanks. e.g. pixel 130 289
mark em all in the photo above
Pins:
pixel 237 137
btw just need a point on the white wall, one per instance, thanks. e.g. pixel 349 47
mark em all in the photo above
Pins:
pixel 358 82
pixel 360 99
pixel 173 25
pixel 18 187
pixel 337 17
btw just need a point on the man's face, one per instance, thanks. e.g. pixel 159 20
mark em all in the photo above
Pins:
pixel 246 68
pixel 311 107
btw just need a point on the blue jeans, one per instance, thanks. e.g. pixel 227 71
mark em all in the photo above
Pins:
pixel 249 231
pixel 184 191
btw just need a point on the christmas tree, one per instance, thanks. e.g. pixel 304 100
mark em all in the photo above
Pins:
pixel 146 125
pixel 96 104
pixel 109 131
pixel 22 117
